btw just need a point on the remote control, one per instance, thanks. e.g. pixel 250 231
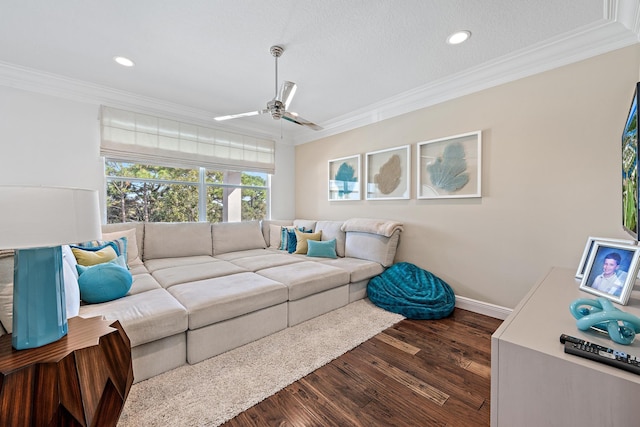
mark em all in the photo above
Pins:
pixel 606 355
pixel 564 338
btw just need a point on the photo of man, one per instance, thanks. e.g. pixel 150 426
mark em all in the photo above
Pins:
pixel 609 281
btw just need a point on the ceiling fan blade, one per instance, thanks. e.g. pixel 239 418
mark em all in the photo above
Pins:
pixel 285 95
pixel 293 117
pixel 235 116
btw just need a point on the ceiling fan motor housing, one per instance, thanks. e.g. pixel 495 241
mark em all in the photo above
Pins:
pixel 276 108
pixel 276 50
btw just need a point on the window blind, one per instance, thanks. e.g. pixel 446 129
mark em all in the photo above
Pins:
pixel 140 138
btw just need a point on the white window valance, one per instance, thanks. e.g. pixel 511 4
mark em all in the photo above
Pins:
pixel 134 137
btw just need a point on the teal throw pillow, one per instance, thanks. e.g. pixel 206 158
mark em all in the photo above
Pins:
pixel 292 241
pixel 118 261
pixel 284 237
pixel 104 282
pixel 322 249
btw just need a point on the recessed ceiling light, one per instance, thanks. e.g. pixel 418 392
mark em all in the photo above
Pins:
pixel 125 62
pixel 458 37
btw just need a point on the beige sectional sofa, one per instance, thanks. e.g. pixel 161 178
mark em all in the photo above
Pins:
pixel 201 289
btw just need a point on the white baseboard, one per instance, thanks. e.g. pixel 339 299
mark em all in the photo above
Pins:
pixel 485 308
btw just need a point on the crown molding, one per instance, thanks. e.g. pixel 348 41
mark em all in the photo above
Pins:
pixel 619 28
pixel 55 85
pixel 578 45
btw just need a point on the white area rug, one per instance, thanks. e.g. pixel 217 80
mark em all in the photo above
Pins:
pixel 216 390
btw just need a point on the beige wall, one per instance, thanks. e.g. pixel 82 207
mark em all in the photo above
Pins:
pixel 550 179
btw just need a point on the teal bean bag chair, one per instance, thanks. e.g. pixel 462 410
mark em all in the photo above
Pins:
pixel 411 291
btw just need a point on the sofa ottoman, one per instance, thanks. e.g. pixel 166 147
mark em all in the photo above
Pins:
pixel 171 276
pixel 219 308
pixel 314 288
pixel 155 324
pixel 265 260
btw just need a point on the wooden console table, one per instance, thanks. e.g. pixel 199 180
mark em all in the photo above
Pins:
pixel 535 383
pixel 83 379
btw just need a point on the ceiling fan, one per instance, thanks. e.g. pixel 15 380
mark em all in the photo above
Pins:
pixel 278 106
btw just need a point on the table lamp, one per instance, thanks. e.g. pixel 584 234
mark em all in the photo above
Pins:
pixel 35 221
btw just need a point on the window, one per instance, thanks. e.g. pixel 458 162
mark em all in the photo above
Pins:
pixel 137 192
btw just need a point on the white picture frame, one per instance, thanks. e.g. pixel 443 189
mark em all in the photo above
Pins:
pixel 388 174
pixel 344 179
pixel 617 286
pixel 450 167
pixel 589 246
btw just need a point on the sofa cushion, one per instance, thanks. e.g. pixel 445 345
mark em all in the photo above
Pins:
pixel 145 317
pixel 259 262
pixel 132 251
pixel 188 273
pixel 306 224
pixel 180 239
pixel 214 300
pixel 124 227
pixel 266 229
pixel 160 263
pixel 230 256
pixel 138 269
pixel 236 236
pixel 332 230
pixel 359 269
pixel 373 247
pixel 142 283
pixel 306 277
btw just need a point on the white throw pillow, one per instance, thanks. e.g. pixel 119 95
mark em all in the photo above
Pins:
pixel 236 236
pixel 71 288
pixel 70 258
pixel 274 236
pixel 6 293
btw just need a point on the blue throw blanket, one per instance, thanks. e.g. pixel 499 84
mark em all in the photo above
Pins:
pixel 411 291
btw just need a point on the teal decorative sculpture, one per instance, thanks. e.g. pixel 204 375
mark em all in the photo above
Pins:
pixel 600 314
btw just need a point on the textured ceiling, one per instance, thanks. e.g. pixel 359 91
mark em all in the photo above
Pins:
pixel 207 58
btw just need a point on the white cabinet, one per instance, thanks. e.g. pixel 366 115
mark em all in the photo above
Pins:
pixel 535 383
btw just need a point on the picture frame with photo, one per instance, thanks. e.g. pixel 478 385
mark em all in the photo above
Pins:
pixel 589 246
pixel 388 175
pixel 611 270
pixel 344 179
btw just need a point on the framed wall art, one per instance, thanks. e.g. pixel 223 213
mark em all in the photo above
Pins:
pixel 450 167
pixel 589 246
pixel 388 174
pixel 611 271
pixel 344 178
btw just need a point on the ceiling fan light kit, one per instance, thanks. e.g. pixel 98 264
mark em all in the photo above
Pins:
pixel 278 106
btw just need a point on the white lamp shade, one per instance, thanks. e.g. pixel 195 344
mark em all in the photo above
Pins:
pixel 35 216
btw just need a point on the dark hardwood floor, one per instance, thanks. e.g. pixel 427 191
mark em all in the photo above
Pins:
pixel 416 373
